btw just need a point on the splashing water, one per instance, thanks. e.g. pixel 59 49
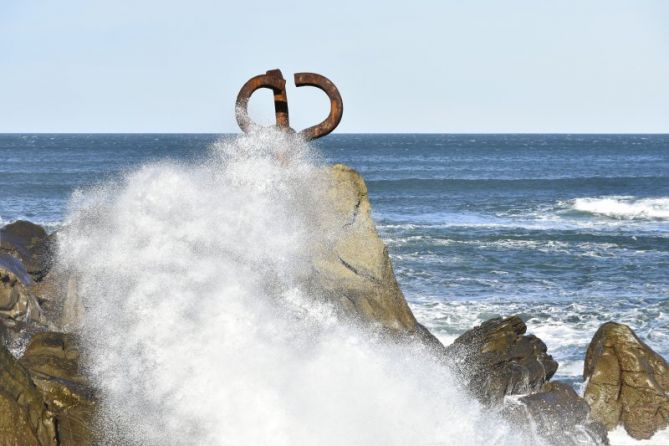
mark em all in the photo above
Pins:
pixel 198 329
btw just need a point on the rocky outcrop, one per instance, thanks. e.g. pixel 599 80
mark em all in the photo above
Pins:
pixel 627 382
pixel 24 418
pixel 356 273
pixel 504 367
pixel 497 359
pixel 44 399
pixel 53 362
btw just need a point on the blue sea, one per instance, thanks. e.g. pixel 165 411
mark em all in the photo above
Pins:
pixel 568 231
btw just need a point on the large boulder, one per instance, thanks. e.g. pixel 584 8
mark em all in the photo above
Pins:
pixel 53 362
pixel 627 382
pixel 497 359
pixel 29 243
pixel 356 272
pixel 24 418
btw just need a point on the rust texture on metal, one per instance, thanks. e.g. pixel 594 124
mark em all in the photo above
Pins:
pixel 273 79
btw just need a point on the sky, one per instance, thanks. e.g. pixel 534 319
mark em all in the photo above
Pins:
pixel 573 66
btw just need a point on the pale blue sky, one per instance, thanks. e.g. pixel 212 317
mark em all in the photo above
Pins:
pixel 409 66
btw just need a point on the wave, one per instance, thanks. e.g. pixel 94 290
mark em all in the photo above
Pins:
pixel 201 329
pixel 624 207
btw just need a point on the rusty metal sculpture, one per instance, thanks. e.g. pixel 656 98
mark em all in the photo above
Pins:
pixel 274 80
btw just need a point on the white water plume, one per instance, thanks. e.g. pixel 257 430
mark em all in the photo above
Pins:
pixel 199 332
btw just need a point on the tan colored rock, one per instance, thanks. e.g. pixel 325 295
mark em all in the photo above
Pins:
pixel 356 273
pixel 628 383
pixel 53 362
pixel 24 418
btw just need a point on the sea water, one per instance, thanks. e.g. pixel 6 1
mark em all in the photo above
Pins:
pixel 567 231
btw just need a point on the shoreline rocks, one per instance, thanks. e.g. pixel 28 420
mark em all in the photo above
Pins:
pixel 502 366
pixel 627 382
pixel 497 359
pixel 45 397
pixel 52 359
pixel 24 418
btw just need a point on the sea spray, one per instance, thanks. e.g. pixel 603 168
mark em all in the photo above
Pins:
pixel 198 329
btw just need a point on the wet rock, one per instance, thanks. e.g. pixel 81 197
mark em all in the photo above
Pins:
pixel 53 362
pixel 356 273
pixel 30 244
pixel 24 418
pixel 557 414
pixel 497 359
pixel 627 382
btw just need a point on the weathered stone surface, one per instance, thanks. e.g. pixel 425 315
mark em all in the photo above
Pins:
pixel 628 383
pixel 53 362
pixel 17 304
pixel 29 243
pixel 558 415
pixel 24 418
pixel 57 296
pixel 356 273
pixel 497 359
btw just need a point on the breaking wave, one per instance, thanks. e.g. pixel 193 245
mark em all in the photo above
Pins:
pixel 624 207
pixel 199 330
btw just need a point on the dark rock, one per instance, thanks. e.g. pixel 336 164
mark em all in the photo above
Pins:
pixel 628 383
pixel 497 359
pixel 53 362
pixel 557 414
pixel 30 244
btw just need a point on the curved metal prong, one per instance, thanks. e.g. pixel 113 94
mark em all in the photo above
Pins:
pixel 336 104
pixel 274 80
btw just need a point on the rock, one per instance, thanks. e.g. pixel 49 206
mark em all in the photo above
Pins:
pixel 497 359
pixel 24 418
pixel 627 382
pixel 57 296
pixel 557 414
pixel 53 362
pixel 29 243
pixel 356 273
pixel 17 304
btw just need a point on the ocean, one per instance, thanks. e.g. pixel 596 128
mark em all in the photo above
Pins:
pixel 567 231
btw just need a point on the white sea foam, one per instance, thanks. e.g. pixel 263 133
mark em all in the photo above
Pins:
pixel 198 329
pixel 625 207
pixel 618 437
